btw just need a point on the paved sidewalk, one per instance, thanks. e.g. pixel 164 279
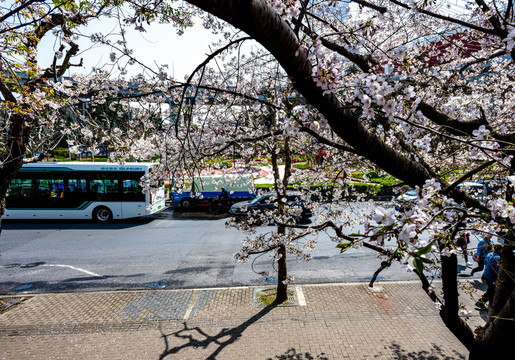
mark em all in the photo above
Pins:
pixel 336 321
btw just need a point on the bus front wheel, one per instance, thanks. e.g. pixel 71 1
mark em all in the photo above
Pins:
pixel 102 214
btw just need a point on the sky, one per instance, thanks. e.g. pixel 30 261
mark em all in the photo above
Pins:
pixel 160 44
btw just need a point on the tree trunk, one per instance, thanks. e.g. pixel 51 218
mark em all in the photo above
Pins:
pixel 281 188
pixel 450 313
pixel 13 160
pixel 282 285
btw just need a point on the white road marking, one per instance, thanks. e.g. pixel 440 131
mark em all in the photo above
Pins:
pixel 300 296
pixel 73 268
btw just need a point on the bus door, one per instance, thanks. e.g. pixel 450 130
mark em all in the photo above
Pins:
pixel 134 203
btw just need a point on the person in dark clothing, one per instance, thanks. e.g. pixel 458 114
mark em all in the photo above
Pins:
pixel 483 248
pixel 224 195
pixel 462 242
pixel 490 276
pixel 224 198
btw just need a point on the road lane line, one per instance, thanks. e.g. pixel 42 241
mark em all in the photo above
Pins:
pixel 74 268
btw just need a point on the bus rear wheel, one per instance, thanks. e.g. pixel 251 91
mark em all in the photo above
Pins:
pixel 102 214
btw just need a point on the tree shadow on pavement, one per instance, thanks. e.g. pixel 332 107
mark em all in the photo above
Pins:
pixel 197 338
pixel 436 353
pixel 292 354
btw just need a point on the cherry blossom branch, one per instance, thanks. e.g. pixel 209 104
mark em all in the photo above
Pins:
pixel 256 252
pixel 360 60
pixel 378 8
pixel 65 65
pixel 468 175
pixel 444 120
pixel 447 208
pixel 445 18
pixel 429 111
pixel 18 9
pixel 493 20
pixel 7 94
pixel 245 140
pixel 468 142
pixel 326 141
pixel 202 66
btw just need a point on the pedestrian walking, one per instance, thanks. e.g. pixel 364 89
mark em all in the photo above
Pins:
pixel 484 246
pixel 462 242
pixel 490 276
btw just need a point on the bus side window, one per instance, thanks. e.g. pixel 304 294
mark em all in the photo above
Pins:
pixel 76 185
pixel 104 186
pixel 111 186
pixel 43 189
pixel 131 187
pixel 97 186
pixel 50 188
pixel 132 190
pixel 20 189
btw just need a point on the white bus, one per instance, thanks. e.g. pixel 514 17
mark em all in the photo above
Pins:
pixel 80 190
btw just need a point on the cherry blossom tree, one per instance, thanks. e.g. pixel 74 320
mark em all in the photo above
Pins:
pixel 30 110
pixel 40 106
pixel 420 89
pixel 425 94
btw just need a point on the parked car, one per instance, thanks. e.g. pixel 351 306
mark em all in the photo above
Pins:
pixel 268 203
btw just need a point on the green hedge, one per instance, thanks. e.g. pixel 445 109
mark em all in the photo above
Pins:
pixel 61 153
pixel 302 166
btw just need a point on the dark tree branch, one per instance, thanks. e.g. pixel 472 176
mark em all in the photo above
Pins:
pixel 7 94
pixel 384 264
pixel 202 66
pixel 493 19
pixel 378 8
pixel 446 18
pixel 245 140
pixel 326 141
pixel 468 175
pixel 360 60
pixel 58 71
pixel 18 9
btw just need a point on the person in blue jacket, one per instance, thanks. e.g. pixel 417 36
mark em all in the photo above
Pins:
pixel 484 246
pixel 490 276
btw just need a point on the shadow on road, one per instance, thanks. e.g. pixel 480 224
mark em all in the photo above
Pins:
pixel 83 284
pixel 73 224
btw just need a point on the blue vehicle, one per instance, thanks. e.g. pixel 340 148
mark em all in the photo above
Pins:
pixel 203 190
pixel 406 201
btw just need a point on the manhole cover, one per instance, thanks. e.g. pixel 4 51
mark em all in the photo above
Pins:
pixel 265 296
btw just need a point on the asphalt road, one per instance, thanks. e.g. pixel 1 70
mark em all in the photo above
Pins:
pixel 160 252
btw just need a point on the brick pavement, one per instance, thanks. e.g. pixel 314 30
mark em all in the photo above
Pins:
pixel 335 321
